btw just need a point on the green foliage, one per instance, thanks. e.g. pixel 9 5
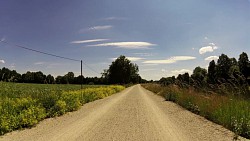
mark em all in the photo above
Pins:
pixel 24 105
pixel 230 111
pixel 122 71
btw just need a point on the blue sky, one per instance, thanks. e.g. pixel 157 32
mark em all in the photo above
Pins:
pixel 164 37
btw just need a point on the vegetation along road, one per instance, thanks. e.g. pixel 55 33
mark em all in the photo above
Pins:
pixel 133 114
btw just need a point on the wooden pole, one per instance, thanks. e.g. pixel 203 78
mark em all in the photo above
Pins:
pixel 81 74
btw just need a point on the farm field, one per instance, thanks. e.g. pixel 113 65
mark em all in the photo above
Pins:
pixel 24 105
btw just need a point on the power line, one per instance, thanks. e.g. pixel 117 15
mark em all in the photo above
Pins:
pixel 49 54
pixel 37 51
pixel 90 68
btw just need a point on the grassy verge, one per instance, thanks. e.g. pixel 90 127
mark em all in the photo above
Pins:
pixel 24 105
pixel 231 112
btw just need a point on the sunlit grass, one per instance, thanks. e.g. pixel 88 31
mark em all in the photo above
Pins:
pixel 230 111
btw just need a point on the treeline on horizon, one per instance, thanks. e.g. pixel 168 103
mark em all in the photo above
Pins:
pixel 121 71
pixel 226 76
pixel 39 77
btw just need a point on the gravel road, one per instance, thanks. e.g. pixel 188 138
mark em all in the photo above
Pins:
pixel 134 114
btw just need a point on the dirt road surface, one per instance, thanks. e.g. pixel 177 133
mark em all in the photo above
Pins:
pixel 134 114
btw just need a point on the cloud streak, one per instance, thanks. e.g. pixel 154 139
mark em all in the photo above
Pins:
pixel 114 18
pixel 126 45
pixel 171 60
pixel 210 48
pixel 103 27
pixel 2 62
pixel 88 41
pixel 210 58
pixel 130 58
pixel 182 71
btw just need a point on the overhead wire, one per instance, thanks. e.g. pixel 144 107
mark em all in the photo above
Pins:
pixel 49 54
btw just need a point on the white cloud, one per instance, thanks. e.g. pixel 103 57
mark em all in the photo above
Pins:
pixel 144 54
pixel 126 45
pixel 210 58
pixel 206 38
pixel 114 18
pixel 182 58
pixel 102 27
pixel 130 58
pixel 134 58
pixel 210 48
pixel 2 39
pixel 182 71
pixel 39 63
pixel 2 61
pixel 171 60
pixel 144 70
pixel 88 41
pixel 159 61
pixel 13 66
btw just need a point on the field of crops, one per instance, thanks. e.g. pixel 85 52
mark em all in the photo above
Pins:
pixel 24 105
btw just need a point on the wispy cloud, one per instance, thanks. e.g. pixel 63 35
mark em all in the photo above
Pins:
pixel 210 48
pixel 144 70
pixel 114 18
pixel 2 61
pixel 2 39
pixel 182 71
pixel 39 63
pixel 210 58
pixel 144 54
pixel 102 27
pixel 126 45
pixel 88 41
pixel 13 66
pixel 171 60
pixel 135 58
pixel 130 58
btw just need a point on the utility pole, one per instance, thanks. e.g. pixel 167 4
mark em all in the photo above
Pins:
pixel 81 74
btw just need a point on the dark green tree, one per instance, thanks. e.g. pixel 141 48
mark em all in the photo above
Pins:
pixel 199 74
pixel 224 64
pixel 122 71
pixel 50 79
pixel 244 65
pixel 211 72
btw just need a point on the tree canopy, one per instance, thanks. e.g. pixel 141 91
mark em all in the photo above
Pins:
pixel 122 71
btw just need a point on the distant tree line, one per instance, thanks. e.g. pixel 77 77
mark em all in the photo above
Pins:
pixel 8 75
pixel 226 76
pixel 121 71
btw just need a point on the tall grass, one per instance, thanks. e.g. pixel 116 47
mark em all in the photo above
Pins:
pixel 24 105
pixel 228 110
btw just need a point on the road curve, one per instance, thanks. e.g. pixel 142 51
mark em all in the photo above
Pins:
pixel 134 114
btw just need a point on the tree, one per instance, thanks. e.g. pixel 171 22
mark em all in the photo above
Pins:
pixel 39 77
pixel 69 77
pixel 212 72
pixel 122 71
pixel 199 74
pixel 244 65
pixel 223 66
pixel 50 79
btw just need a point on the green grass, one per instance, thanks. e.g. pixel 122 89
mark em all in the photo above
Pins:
pixel 227 110
pixel 24 105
